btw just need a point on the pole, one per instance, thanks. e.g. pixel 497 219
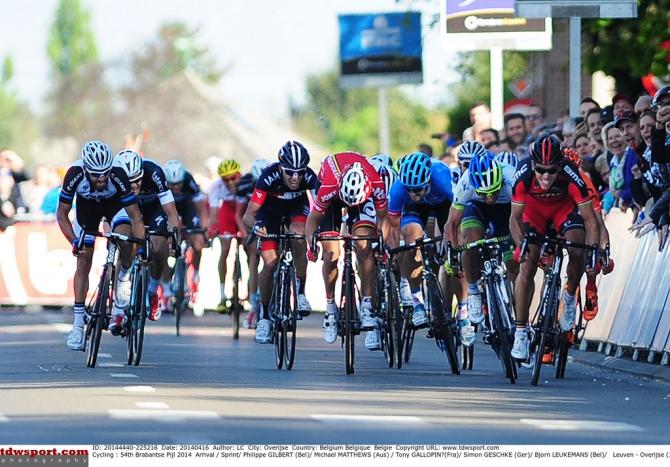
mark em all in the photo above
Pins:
pixel 384 131
pixel 575 64
pixel 497 87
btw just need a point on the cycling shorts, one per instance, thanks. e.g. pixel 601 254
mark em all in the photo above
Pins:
pixel 560 217
pixel 364 215
pixel 89 213
pixel 419 214
pixel 275 213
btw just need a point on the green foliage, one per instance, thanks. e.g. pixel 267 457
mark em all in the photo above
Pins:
pixel 17 128
pixel 629 49
pixel 71 42
pixel 475 84
pixel 7 70
pixel 340 119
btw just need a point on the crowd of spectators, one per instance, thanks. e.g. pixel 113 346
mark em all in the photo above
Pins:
pixel 624 147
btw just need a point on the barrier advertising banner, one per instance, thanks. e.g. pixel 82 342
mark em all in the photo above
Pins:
pixel 378 50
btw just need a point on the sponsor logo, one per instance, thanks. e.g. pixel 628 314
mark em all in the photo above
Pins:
pixel 329 196
pixel 574 176
pixel 157 180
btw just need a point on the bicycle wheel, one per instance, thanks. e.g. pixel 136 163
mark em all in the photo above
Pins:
pixel 384 312
pixel 99 316
pixel 290 319
pixel 445 337
pixel 350 317
pixel 408 333
pixel 278 335
pixel 179 281
pixel 140 314
pixel 396 318
pixel 236 305
pixel 501 332
pixel 130 315
pixel 548 316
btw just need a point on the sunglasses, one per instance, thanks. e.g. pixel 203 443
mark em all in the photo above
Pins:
pixel 231 178
pixel 295 172
pixel 550 170
pixel 98 174
pixel 417 191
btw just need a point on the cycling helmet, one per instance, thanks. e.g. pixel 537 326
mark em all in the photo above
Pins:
pixel 258 166
pixel 508 157
pixel 131 163
pixel 572 155
pixel 388 176
pixel 383 159
pixel 228 167
pixel 415 170
pixel 470 149
pixel 355 188
pixel 398 163
pixel 664 91
pixel 546 150
pixel 175 172
pixel 96 156
pixel 293 155
pixel 485 174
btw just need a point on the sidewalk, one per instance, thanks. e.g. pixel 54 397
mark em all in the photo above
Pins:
pixel 623 364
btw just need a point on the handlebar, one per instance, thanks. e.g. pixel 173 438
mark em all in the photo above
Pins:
pixel 544 241
pixel 416 244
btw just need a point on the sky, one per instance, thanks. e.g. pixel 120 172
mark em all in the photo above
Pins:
pixel 270 46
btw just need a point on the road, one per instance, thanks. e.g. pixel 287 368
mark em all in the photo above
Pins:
pixel 203 387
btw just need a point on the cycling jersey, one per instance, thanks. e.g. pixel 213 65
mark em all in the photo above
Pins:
pixel 245 187
pixel 464 192
pixel 154 193
pixel 331 173
pixel 221 198
pixel 439 191
pixel 184 202
pixel 271 184
pixel 555 207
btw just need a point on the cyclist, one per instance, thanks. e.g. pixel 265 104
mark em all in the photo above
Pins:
pixel 192 210
pixel 549 193
pixel 223 207
pixel 100 190
pixel 147 182
pixel 509 158
pixel 280 198
pixel 423 190
pixel 349 181
pixel 482 206
pixel 245 188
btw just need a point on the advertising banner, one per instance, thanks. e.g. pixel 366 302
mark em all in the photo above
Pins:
pixel 380 49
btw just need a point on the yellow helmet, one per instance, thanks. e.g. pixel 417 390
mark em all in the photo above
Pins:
pixel 228 167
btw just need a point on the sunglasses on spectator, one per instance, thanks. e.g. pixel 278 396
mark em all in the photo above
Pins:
pixel 550 170
pixel 294 172
pixel 93 174
pixel 533 117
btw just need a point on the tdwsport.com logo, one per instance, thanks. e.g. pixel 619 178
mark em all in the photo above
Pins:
pixel 43 456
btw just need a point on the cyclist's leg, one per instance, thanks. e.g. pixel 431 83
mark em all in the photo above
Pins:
pixel 331 223
pixel 472 228
pixel 157 222
pixel 253 254
pixel 270 260
pixel 298 218
pixel 572 229
pixel 412 229
pixel 223 266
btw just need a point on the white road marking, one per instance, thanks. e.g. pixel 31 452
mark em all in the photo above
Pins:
pixel 104 355
pixel 162 415
pixel 123 375
pixel 151 405
pixel 110 365
pixel 139 389
pixel 62 327
pixel 581 425
pixel 3 419
pixel 366 418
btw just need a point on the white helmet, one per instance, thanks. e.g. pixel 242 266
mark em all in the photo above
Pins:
pixel 383 159
pixel 174 171
pixel 96 156
pixel 131 163
pixel 258 166
pixel 355 188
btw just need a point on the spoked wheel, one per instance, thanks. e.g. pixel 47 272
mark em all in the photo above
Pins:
pixel 235 316
pixel 290 323
pixel 397 319
pixel 562 353
pixel 236 305
pixel 445 335
pixel 97 322
pixel 542 337
pixel 468 354
pixel 179 280
pixel 408 332
pixel 502 337
pixel 139 318
pixel 130 341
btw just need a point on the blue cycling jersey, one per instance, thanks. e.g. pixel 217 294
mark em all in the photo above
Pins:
pixel 440 190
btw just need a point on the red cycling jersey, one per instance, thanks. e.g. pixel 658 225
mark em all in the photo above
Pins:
pixel 331 173
pixel 543 208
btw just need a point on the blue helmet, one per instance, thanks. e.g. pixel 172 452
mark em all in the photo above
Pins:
pixel 415 170
pixel 508 157
pixel 485 174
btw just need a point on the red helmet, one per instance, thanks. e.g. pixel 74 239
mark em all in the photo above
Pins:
pixel 546 150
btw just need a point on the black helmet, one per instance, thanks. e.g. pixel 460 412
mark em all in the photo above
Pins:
pixel 293 155
pixel 546 150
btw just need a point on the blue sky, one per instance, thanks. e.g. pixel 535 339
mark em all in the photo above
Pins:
pixel 271 46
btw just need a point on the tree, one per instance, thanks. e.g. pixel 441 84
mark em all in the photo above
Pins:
pixel 17 128
pixel 79 98
pixel 629 49
pixel 348 119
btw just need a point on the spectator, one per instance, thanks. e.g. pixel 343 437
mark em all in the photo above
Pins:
pixel 480 117
pixel 50 202
pixel 490 138
pixel 12 161
pixel 621 103
pixel 595 127
pixel 426 149
pixel 643 104
pixel 621 174
pixel 10 199
pixel 34 190
pixel 515 134
pixel 534 120
pixel 581 145
pixel 648 177
pixel 567 132
pixel 587 104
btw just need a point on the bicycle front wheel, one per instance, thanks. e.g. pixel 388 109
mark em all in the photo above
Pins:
pixel 445 337
pixel 99 316
pixel 236 305
pixel 502 334
pixel 140 315
pixel 290 320
pixel 350 317
pixel 548 316
pixel 179 281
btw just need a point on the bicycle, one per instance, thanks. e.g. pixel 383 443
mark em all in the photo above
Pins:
pixel 441 324
pixel 348 324
pixel 499 322
pixel 234 304
pixel 388 306
pixel 547 336
pixel 182 281
pixel 99 308
pixel 284 300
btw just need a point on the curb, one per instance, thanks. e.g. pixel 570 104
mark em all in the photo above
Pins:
pixel 623 365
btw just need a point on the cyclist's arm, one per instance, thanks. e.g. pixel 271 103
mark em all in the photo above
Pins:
pixel 313 220
pixel 170 210
pixel 240 209
pixel 453 223
pixel 136 221
pixel 392 238
pixel 62 216
pixel 201 209
pixel 604 233
pixel 591 224
pixel 516 224
pixel 249 217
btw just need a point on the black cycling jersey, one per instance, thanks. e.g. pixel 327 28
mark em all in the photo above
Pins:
pixel 76 182
pixel 271 182
pixel 154 189
pixel 245 187
pixel 189 191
